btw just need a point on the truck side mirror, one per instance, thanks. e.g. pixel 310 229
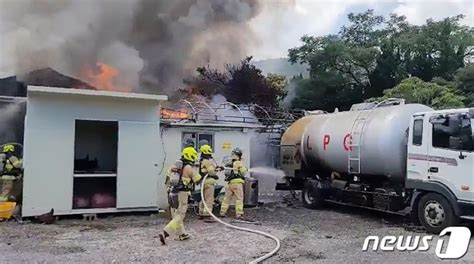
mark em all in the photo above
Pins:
pixel 466 122
pixel 438 120
pixel 457 143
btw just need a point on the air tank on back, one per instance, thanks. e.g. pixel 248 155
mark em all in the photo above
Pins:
pixel 381 132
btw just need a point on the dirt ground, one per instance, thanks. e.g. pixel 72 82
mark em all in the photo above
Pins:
pixel 333 235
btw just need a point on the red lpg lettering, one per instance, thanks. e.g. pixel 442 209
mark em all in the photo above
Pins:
pixel 346 143
pixel 326 141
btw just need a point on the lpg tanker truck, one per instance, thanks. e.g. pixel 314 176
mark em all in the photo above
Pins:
pixel 390 156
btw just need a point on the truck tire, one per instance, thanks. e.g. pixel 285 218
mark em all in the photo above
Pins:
pixel 435 213
pixel 312 195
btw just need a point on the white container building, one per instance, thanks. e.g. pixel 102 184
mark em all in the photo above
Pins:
pixel 91 152
pixel 223 138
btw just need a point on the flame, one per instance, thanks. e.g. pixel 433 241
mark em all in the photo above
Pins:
pixel 172 114
pixel 103 77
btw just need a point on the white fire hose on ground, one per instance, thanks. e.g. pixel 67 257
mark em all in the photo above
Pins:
pixel 258 260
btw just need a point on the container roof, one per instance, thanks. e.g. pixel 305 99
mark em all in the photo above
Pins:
pixel 213 125
pixel 82 92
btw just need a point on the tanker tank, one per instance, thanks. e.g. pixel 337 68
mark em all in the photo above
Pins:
pixel 290 155
pixel 326 140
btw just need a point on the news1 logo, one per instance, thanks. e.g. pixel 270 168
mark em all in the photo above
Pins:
pixel 454 247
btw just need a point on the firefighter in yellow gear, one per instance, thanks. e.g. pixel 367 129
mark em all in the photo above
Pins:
pixel 189 143
pixel 11 168
pixel 235 176
pixel 207 167
pixel 180 191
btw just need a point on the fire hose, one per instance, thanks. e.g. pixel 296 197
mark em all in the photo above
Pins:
pixel 258 260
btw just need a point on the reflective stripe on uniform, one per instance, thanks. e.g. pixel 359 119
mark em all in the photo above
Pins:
pixel 17 164
pixel 210 181
pixel 173 225
pixel 237 181
pixel 176 225
pixel 8 177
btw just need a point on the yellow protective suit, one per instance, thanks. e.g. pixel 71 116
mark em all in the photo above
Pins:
pixel 208 166
pixel 176 225
pixel 12 171
pixel 235 190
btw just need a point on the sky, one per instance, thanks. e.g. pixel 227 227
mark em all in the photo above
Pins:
pixel 281 26
pixel 281 23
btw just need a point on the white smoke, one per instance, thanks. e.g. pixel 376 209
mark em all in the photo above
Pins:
pixel 267 171
pixel 9 121
pixel 67 35
pixel 227 112
pixel 154 43
pixel 267 177
pixel 290 94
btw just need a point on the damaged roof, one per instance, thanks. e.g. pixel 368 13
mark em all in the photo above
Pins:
pixel 17 85
pixel 52 78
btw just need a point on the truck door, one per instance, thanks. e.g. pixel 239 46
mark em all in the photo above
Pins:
pixel 450 155
pixel 417 167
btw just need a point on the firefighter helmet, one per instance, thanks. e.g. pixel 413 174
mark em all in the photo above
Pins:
pixel 8 148
pixel 206 149
pixel 237 151
pixel 189 154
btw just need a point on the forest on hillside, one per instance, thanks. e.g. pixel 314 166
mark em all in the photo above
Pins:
pixel 371 58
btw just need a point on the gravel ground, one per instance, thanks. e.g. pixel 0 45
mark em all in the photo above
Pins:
pixel 334 235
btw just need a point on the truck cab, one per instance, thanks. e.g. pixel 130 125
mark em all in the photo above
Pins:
pixel 440 171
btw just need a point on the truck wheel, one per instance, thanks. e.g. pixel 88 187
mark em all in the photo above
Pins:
pixel 435 213
pixel 311 195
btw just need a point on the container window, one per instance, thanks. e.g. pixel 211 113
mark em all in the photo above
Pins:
pixel 208 137
pixel 417 132
pixel 188 137
pixel 196 139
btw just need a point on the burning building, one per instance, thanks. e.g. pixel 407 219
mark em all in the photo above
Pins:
pixel 140 46
pixel 137 45
pixel 101 139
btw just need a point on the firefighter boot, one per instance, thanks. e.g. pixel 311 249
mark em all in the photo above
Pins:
pixel 163 237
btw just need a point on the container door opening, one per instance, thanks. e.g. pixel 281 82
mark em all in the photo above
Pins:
pixel 95 164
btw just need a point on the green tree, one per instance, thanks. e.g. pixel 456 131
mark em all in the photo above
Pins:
pixel 278 84
pixel 415 90
pixel 437 48
pixel 362 29
pixel 325 93
pixel 465 79
pixel 372 53
pixel 240 83
pixel 248 85
pixel 331 53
